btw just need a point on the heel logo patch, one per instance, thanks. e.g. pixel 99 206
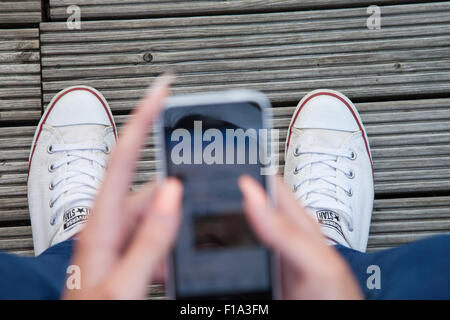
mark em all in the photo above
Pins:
pixel 75 216
pixel 330 219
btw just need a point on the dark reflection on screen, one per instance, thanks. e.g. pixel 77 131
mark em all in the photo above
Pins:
pixel 229 230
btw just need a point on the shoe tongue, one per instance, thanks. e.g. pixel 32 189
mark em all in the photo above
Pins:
pixel 322 138
pixel 87 133
pixel 81 134
pixel 328 139
pixel 330 221
pixel 325 208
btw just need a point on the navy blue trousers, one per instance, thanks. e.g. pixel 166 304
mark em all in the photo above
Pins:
pixel 420 270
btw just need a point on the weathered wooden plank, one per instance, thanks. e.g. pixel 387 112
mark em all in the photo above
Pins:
pixel 16 238
pixel 310 62
pixel 15 57
pixel 12 167
pixel 16 244
pixel 10 232
pixel 13 34
pixel 253 76
pixel 398 221
pixel 394 89
pixel 292 88
pixel 270 17
pixel 19 5
pixel 406 226
pixel 22 115
pixel 156 291
pixel 14 214
pixel 7 69
pixel 27 44
pixel 20 78
pixel 13 202
pixel 20 12
pixel 265 31
pixel 142 8
pixel 23 104
pixel 395 239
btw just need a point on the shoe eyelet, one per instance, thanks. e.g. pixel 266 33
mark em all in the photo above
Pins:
pixel 51 168
pixel 352 155
pixel 295 188
pixel 351 174
pixel 296 151
pixel 349 192
pixel 51 186
pixel 50 149
pixel 296 171
pixel 107 149
pixel 50 204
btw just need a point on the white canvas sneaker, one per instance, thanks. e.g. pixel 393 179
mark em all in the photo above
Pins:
pixel 328 163
pixel 67 162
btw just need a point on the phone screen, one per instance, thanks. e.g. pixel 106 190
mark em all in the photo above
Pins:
pixel 208 147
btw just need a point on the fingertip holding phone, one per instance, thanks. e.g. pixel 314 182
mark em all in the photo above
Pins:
pixel 208 141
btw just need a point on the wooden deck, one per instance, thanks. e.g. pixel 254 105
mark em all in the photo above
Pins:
pixel 398 76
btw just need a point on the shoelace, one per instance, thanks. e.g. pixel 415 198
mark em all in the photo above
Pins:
pixel 82 181
pixel 318 189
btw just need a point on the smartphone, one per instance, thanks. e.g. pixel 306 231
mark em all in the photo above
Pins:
pixel 208 141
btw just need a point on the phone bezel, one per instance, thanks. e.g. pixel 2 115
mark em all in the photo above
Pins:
pixel 211 98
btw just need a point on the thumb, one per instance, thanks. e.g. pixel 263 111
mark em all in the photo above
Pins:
pixel 151 244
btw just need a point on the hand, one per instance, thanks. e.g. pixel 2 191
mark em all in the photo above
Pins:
pixel 310 268
pixel 128 236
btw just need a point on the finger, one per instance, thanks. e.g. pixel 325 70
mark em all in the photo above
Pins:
pixel 136 205
pixel 291 207
pixel 139 201
pixel 273 228
pixel 160 271
pixel 122 164
pixel 259 211
pixel 290 277
pixel 152 243
pixel 111 199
